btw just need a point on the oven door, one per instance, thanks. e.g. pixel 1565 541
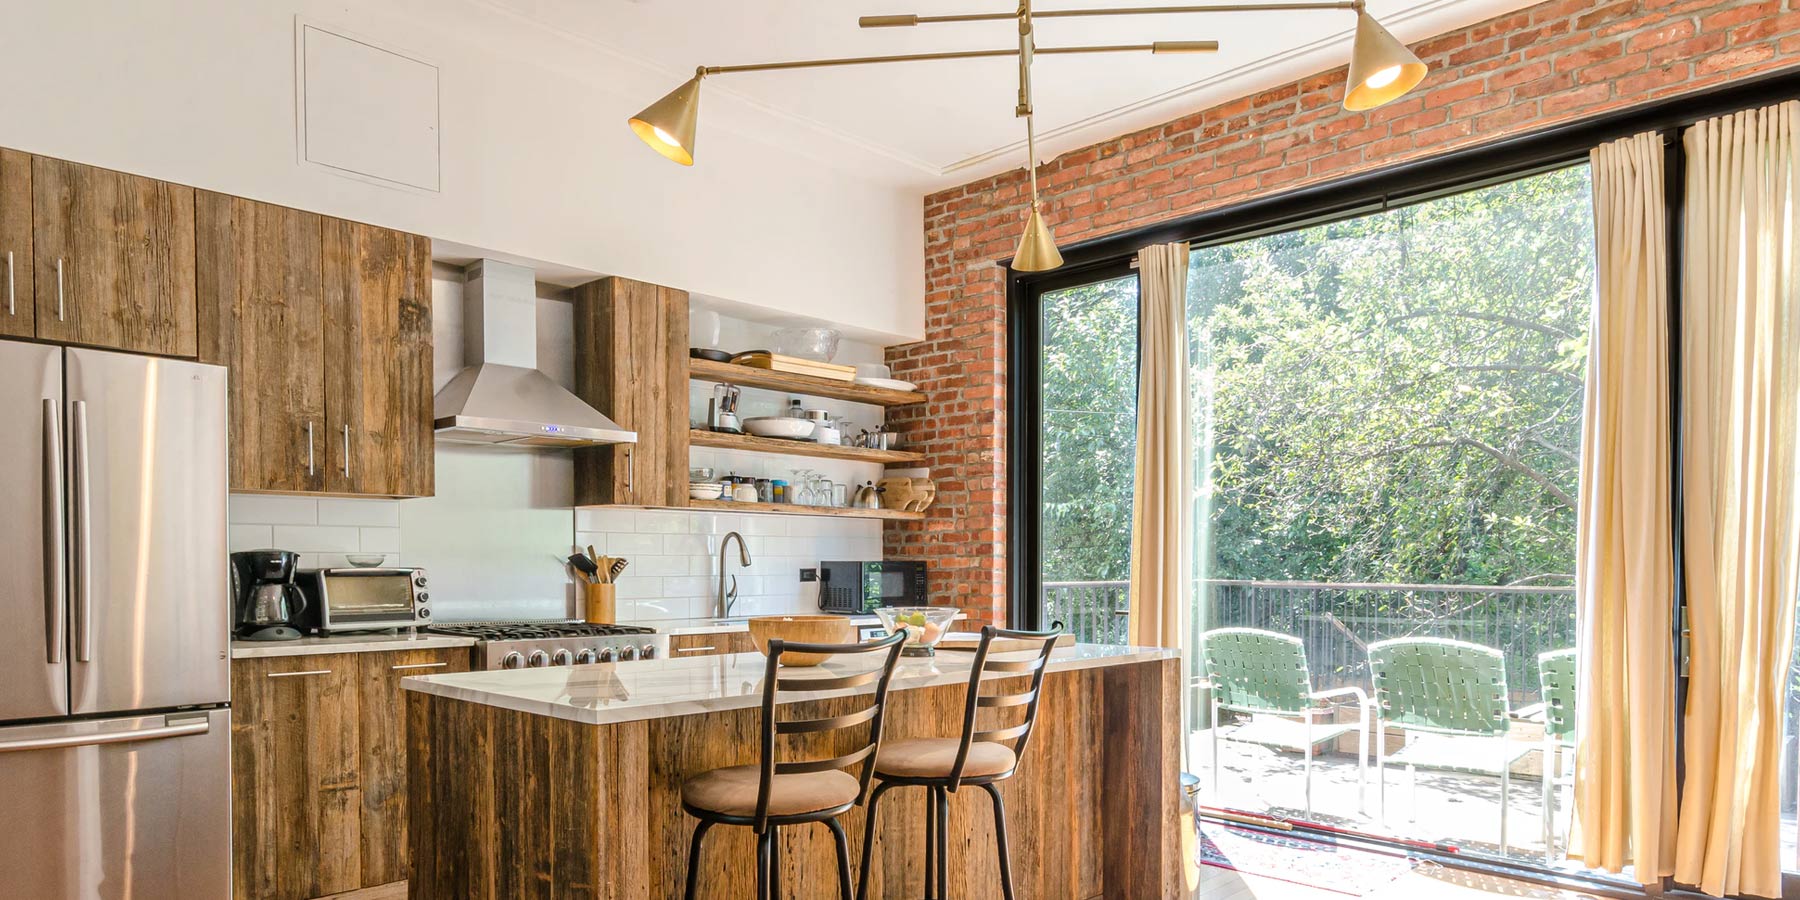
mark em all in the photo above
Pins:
pixel 364 598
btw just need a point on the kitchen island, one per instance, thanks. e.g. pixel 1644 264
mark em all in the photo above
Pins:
pixel 565 781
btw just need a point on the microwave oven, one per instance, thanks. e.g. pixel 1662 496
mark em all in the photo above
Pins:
pixel 856 588
pixel 365 599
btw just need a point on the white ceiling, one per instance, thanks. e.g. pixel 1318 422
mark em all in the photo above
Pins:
pixel 940 123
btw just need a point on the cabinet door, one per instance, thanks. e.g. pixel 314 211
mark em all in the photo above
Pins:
pixel 296 801
pixel 378 397
pixel 386 851
pixel 113 256
pixel 631 364
pixel 17 301
pixel 714 644
pixel 261 314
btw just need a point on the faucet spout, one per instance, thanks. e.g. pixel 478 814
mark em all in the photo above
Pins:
pixel 728 599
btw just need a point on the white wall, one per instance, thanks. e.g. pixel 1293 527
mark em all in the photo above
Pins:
pixel 494 536
pixel 536 159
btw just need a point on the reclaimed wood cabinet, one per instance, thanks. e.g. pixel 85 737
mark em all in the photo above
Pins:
pixel 18 303
pixel 714 644
pixel 326 327
pixel 319 779
pixel 112 259
pixel 631 363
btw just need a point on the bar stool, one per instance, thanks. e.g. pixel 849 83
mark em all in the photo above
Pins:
pixel 941 765
pixel 773 794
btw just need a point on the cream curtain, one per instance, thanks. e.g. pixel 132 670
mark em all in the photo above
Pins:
pixel 1740 369
pixel 1162 497
pixel 1625 762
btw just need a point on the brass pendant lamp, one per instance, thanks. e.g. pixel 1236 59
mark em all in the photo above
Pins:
pixel 1381 70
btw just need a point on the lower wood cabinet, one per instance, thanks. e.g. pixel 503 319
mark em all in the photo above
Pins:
pixel 710 644
pixel 319 779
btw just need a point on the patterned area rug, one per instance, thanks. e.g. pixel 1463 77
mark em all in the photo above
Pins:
pixel 1314 862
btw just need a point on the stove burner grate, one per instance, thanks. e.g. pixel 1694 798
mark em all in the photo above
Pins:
pixel 534 631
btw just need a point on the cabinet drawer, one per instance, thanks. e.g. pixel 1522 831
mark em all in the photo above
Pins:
pixel 710 644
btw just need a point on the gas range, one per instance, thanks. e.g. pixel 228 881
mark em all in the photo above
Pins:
pixel 531 645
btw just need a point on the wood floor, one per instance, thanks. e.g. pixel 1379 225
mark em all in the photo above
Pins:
pixel 1428 880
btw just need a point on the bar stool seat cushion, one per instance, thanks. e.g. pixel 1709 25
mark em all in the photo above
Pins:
pixel 732 791
pixel 934 757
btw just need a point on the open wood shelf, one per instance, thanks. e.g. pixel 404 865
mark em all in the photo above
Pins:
pixel 791 509
pixel 810 385
pixel 700 437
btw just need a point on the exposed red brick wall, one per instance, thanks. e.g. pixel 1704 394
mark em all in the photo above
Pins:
pixel 1520 72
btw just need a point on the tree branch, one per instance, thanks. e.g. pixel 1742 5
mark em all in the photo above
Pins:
pixel 1514 321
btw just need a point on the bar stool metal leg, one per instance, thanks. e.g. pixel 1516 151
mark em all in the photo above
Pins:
pixel 1006 884
pixel 694 857
pixel 943 843
pixel 931 844
pixel 775 863
pixel 762 866
pixel 843 857
pixel 868 847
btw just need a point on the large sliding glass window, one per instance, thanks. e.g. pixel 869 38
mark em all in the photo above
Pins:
pixel 1388 417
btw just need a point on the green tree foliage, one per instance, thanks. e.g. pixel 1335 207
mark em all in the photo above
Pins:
pixel 1393 398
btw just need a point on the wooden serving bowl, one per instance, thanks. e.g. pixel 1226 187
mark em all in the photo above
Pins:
pixel 805 629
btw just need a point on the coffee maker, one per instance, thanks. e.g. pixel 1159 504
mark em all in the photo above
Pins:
pixel 269 603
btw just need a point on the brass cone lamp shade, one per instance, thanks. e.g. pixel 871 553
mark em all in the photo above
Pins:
pixel 668 124
pixel 1381 68
pixel 1037 246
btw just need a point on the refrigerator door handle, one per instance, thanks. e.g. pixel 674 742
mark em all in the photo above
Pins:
pixel 56 585
pixel 176 727
pixel 84 634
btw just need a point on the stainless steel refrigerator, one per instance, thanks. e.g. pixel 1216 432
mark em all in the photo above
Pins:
pixel 114 627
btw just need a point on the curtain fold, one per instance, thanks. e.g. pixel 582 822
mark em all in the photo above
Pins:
pixel 1625 761
pixel 1162 494
pixel 1740 368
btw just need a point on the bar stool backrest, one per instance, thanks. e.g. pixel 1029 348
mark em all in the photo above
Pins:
pixel 776 682
pixel 1035 666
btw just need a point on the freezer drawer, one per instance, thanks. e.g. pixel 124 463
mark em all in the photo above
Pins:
pixel 132 808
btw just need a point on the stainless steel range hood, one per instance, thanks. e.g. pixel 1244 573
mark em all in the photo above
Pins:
pixel 501 398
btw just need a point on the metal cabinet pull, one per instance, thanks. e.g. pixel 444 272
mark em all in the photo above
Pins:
pixel 174 728
pixel 309 448
pixel 435 665
pixel 346 451
pixel 59 289
pixel 10 308
pixel 55 535
pixel 84 580
pixel 298 674
pixel 630 473
pixel 694 649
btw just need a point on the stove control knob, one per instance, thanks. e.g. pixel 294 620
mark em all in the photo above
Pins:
pixel 585 656
pixel 538 659
pixel 606 654
pixel 513 660
pixel 562 657
pixel 627 653
pixel 649 652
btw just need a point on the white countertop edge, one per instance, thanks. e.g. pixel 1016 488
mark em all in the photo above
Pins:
pixel 457 686
pixel 714 626
pixel 345 643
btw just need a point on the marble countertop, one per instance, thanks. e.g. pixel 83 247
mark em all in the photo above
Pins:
pixel 345 643
pixel 715 625
pixel 606 693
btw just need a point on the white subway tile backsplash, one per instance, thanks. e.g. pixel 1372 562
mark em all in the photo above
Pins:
pixel 661 522
pixel 264 509
pixel 318 538
pixel 632 546
pixel 376 513
pixel 380 540
pixel 249 537
pixel 690 544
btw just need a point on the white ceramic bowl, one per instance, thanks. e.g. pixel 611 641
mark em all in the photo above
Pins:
pixel 779 427
pixel 709 491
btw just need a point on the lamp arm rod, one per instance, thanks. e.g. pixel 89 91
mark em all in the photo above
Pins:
pixel 904 20
pixel 1154 47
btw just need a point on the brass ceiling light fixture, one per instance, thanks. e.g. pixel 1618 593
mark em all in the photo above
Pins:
pixel 1381 70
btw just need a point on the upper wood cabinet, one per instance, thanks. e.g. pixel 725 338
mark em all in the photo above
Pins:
pixel 113 259
pixel 18 304
pixel 378 397
pixel 631 364
pixel 326 327
pixel 263 315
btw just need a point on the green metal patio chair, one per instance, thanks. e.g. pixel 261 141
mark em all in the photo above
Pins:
pixel 1556 672
pixel 1451 698
pixel 1264 672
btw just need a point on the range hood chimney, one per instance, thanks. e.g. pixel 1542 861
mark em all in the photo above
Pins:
pixel 502 399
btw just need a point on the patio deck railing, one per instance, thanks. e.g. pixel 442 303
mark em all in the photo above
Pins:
pixel 1337 621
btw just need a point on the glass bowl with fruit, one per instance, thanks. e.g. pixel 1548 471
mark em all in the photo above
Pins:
pixel 924 625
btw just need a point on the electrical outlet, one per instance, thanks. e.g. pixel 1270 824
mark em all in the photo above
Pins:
pixel 809 574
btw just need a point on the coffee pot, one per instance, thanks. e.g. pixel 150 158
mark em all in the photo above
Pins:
pixel 268 600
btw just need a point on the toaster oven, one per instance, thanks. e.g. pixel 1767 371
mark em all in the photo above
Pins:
pixel 365 599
